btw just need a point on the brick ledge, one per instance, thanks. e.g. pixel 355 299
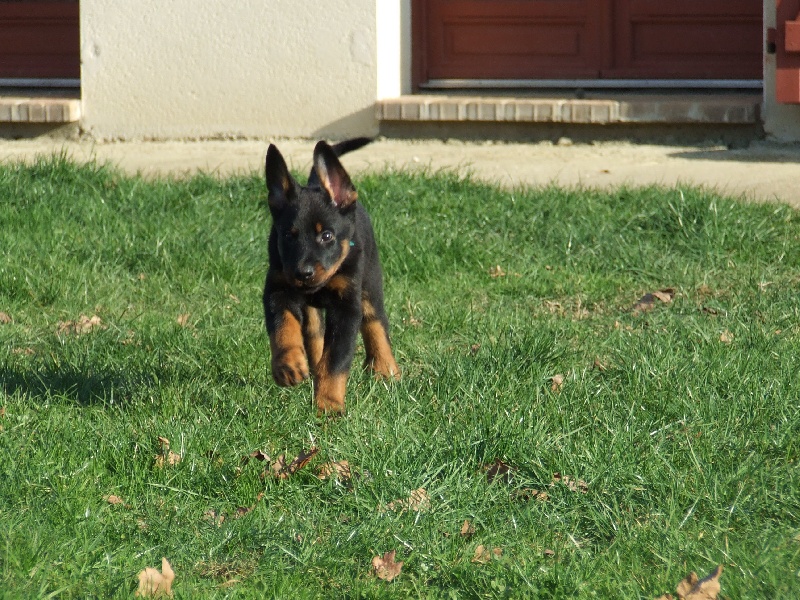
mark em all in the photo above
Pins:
pixel 655 109
pixel 39 110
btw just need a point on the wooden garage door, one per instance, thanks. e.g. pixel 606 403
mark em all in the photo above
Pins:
pixel 39 40
pixel 587 39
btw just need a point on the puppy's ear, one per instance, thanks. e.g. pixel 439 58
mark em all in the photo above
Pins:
pixel 280 183
pixel 333 177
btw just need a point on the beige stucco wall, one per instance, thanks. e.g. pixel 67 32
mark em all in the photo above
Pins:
pixel 252 68
pixel 781 121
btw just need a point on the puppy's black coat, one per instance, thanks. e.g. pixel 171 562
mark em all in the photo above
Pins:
pixel 322 258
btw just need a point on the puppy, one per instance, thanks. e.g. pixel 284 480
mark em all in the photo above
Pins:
pixel 322 259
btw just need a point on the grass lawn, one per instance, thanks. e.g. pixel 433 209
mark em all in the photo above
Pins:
pixel 671 444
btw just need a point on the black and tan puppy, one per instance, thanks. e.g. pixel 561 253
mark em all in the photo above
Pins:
pixel 322 257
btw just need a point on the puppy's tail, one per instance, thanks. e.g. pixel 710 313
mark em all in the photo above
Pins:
pixel 350 145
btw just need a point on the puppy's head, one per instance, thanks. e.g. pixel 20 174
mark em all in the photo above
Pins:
pixel 313 224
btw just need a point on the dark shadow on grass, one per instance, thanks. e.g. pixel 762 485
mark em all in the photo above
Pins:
pixel 79 386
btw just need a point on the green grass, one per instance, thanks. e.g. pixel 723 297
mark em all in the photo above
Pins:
pixel 688 444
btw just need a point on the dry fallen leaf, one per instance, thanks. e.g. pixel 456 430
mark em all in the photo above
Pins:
pixel 258 455
pixel 647 301
pixel 467 529
pixel 166 456
pixel 385 566
pixel 5 318
pixel 112 499
pixel 83 325
pixel 726 337
pixel 214 516
pixel 183 319
pixel 574 485
pixel 556 381
pixel 483 555
pixel 527 494
pixel 280 470
pixel 338 469
pixel 496 271
pixel 418 501
pixel 498 469
pixel 302 459
pixel 690 588
pixel 153 584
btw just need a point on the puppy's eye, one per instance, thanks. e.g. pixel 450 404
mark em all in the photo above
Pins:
pixel 326 236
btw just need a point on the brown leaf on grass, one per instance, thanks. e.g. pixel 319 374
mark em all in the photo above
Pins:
pixel 212 515
pixel 83 325
pixel 528 494
pixel 385 566
pixel 418 501
pixel 647 302
pixel 277 468
pixel 337 469
pixel 467 529
pixel 114 500
pixel 183 319
pixel 258 455
pixel 498 469
pixel 574 485
pixel 5 318
pixel 280 470
pixel 690 588
pixel 218 518
pixel 153 584
pixel 484 555
pixel 166 456
pixel 302 459
pixel 496 271
pixel 25 351
pixel 599 365
pixel 726 337
pixel 556 381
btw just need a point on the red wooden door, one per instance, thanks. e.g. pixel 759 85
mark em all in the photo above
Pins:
pixel 586 39
pixel 509 39
pixel 687 39
pixel 39 40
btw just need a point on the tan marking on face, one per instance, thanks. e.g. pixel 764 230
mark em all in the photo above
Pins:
pixel 321 275
pixel 313 336
pixel 329 389
pixel 318 227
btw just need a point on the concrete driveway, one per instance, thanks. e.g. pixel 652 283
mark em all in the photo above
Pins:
pixel 761 172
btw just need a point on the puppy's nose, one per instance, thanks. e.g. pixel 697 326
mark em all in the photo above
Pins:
pixel 304 272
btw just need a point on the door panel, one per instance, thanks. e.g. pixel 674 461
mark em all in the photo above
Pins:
pixel 39 40
pixel 510 39
pixel 697 39
pixel 587 39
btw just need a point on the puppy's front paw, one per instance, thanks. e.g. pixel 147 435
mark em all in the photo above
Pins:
pixel 290 367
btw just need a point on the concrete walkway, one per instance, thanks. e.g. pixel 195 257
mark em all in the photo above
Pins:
pixel 761 172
